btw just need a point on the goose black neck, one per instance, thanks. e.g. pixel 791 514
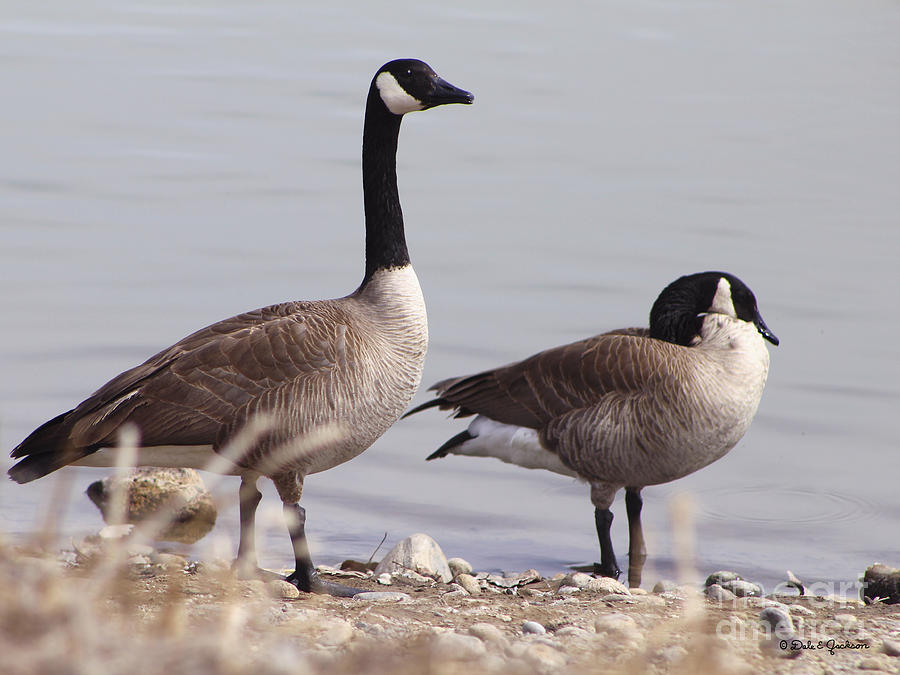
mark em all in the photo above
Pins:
pixel 385 238
pixel 675 316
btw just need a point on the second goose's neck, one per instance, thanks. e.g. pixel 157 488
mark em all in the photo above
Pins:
pixel 385 238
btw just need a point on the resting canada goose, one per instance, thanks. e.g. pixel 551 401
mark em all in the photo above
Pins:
pixel 350 364
pixel 628 408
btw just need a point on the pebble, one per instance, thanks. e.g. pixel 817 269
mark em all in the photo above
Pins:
pixel 718 594
pixel 780 630
pixel 544 657
pixel 285 590
pixel 742 588
pixel 722 577
pixel 846 621
pixel 607 586
pixel 639 591
pixel 533 627
pixel 111 532
pixel 573 632
pixel 335 633
pixel 890 647
pixel 384 579
pixel 382 596
pixel 468 582
pixel 567 590
pixel 873 663
pixel 169 560
pixel 487 632
pixel 459 566
pixel 577 580
pixel 614 622
pixel 800 609
pixel 672 654
pixel 665 586
pixel 418 553
pixel 455 646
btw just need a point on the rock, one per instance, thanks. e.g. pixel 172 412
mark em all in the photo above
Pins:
pixel 614 622
pixel 567 590
pixel 459 566
pixel 607 586
pixel 455 646
pixel 874 663
pixel 382 596
pixel 722 577
pixel 665 586
pixel 718 594
pixel 384 579
pixel 577 580
pixel 533 628
pixel 778 633
pixel 544 658
pixel 846 621
pixel 283 590
pixel 335 633
pixel 573 632
pixel 673 653
pixel 487 632
pixel 801 610
pixel 468 582
pixel 418 553
pixel 881 581
pixel 170 561
pixel 638 591
pixel 890 647
pixel 149 491
pixel 514 580
pixel 742 588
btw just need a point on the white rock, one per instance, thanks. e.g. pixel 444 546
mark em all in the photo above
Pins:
pixel 614 622
pixel 573 632
pixel 607 586
pixel 285 590
pixel 577 579
pixel 533 627
pixel 447 646
pixel 544 657
pixel 487 632
pixel 111 532
pixel 567 590
pixel 468 582
pixel 335 633
pixel 665 586
pixel 384 579
pixel 718 594
pixel 419 553
pixel 846 621
pixel 801 610
pixel 459 566
pixel 382 596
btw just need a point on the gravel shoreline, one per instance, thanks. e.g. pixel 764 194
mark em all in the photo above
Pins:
pixel 106 608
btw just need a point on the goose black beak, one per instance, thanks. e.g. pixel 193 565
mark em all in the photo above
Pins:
pixel 444 93
pixel 764 329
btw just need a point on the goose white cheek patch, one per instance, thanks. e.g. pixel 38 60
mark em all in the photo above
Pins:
pixel 395 97
pixel 722 303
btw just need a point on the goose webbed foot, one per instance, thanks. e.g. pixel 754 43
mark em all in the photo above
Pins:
pixel 309 582
pixel 611 571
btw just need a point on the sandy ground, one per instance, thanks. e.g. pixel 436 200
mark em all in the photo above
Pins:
pixel 124 612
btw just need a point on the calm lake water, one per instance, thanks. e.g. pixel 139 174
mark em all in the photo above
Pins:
pixel 169 164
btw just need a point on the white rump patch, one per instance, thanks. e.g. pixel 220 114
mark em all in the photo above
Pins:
pixel 722 302
pixel 395 97
pixel 511 444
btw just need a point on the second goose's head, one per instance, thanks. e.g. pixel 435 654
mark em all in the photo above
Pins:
pixel 407 85
pixel 678 312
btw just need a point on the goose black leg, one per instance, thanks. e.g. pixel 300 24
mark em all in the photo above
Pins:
pixel 608 566
pixel 637 552
pixel 304 575
pixel 246 565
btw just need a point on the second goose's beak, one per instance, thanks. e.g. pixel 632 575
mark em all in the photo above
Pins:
pixel 764 329
pixel 444 93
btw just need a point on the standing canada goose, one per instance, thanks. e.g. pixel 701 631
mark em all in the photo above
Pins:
pixel 628 408
pixel 350 365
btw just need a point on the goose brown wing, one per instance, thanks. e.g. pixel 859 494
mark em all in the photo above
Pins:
pixel 207 384
pixel 532 392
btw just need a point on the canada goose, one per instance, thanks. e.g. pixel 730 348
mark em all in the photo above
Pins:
pixel 350 364
pixel 628 408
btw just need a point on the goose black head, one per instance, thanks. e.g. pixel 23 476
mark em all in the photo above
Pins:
pixel 406 85
pixel 678 312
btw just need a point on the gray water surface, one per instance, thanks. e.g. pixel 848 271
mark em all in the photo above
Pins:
pixel 168 164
